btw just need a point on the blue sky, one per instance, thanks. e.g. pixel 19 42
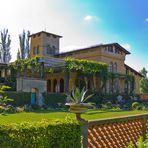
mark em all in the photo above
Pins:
pixel 82 23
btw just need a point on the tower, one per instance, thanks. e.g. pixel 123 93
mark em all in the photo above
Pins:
pixel 44 44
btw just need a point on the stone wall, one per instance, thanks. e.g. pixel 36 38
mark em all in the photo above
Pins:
pixel 26 84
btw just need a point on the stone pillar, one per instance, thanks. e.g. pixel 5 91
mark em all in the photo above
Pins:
pixel 6 72
pixel 58 85
pixel 42 70
pixel 94 82
pixel 66 80
pixel 18 70
pixel 86 82
pixel 25 71
pixel 32 70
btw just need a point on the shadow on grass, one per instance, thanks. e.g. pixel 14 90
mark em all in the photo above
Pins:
pixel 100 112
pixel 4 114
pixel 47 111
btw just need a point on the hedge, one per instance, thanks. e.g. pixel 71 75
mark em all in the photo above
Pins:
pixel 52 99
pixel 59 134
pixel 22 98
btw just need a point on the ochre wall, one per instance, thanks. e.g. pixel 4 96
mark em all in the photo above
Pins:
pixel 36 41
pixel 101 55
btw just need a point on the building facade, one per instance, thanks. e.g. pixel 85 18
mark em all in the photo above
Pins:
pixel 46 45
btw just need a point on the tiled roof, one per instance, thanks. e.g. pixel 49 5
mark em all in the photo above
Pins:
pixel 133 70
pixel 95 46
pixel 45 33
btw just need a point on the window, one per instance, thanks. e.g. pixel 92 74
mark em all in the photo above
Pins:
pixel 48 49
pixel 106 48
pixel 38 49
pixel 54 50
pixel 38 34
pixel 34 50
pixel 110 68
pixel 116 51
pixel 110 48
pixel 115 67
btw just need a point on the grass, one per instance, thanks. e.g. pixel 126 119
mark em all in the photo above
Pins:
pixel 38 116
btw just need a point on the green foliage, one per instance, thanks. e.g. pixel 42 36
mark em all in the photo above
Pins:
pixel 144 72
pixel 24 45
pixel 28 63
pixel 135 105
pixel 144 85
pixel 141 143
pixel 22 98
pixel 53 99
pixel 19 98
pixel 59 134
pixel 5 42
pixel 78 96
pixel 3 98
pixel 86 66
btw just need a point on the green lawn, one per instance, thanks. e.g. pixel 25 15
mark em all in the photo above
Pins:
pixel 38 116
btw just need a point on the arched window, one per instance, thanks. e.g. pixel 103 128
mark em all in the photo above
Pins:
pixel 115 67
pixel 38 49
pixel 61 85
pixel 48 49
pixel 49 85
pixel 34 50
pixel 110 68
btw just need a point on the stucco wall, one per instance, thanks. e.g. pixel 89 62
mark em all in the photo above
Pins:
pixel 26 84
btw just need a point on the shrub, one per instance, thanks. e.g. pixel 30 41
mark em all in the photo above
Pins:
pixel 53 99
pixel 59 134
pixel 141 143
pixel 135 105
pixel 20 98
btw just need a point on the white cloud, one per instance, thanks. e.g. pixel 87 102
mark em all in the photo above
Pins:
pixel 127 46
pixel 146 19
pixel 90 18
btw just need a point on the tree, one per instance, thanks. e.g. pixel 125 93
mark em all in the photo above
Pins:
pixel 144 81
pixel 18 55
pixel 144 72
pixel 24 45
pixel 5 42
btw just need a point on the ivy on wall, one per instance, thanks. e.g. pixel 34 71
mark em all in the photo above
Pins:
pixel 86 66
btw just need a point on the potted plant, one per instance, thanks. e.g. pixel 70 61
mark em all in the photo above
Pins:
pixel 76 101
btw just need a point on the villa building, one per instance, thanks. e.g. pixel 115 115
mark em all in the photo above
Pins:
pixel 46 46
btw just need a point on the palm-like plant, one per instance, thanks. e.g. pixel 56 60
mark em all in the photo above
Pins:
pixel 78 96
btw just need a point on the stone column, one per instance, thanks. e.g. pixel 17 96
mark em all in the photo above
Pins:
pixel 86 82
pixel 42 70
pixel 66 80
pixel 94 82
pixel 32 70
pixel 6 72
pixel 18 70
pixel 25 70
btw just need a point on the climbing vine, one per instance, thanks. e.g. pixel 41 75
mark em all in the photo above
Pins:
pixel 86 66
pixel 21 64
